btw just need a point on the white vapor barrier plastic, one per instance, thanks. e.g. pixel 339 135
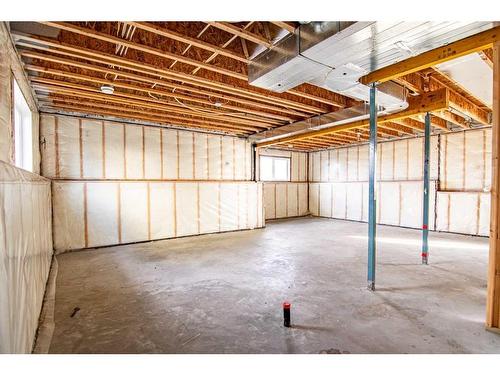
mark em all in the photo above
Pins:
pixel 400 160
pixel 285 199
pixel 466 160
pixel 75 148
pixel 463 212
pixel 103 213
pixel 398 202
pixel 25 255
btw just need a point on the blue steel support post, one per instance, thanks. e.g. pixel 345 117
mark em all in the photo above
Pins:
pixel 372 203
pixel 425 219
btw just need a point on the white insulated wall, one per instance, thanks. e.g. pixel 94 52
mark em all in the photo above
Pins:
pixel 116 183
pixel 101 213
pixel 340 187
pixel 25 255
pixel 25 216
pixel 286 198
pixel 461 204
pixel 74 148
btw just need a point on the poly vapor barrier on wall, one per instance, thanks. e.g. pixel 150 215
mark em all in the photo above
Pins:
pixel 101 213
pixel 25 255
pixel 285 199
pixel 400 160
pixel 466 161
pixel 398 202
pixel 463 212
pixel 74 148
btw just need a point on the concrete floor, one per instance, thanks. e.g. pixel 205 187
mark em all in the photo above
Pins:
pixel 222 293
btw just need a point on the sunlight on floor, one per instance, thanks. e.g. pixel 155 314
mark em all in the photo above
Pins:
pixel 445 244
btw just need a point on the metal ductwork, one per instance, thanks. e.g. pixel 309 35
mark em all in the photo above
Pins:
pixel 335 55
pixel 299 58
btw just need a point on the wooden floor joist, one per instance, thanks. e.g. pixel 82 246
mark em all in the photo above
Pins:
pixel 143 48
pixel 150 27
pixel 54 46
pixel 245 34
pixel 49 83
pixel 148 90
pixel 151 81
pixel 146 102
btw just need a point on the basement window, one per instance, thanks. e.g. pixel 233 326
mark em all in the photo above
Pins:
pixel 274 168
pixel 23 127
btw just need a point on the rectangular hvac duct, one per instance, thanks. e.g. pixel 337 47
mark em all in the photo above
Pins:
pixel 334 55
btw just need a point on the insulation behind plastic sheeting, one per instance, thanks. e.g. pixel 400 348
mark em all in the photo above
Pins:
pixel 114 149
pixel 187 209
pixel 103 213
pixel 92 146
pixel 69 150
pixel 466 161
pixel 152 158
pixel 325 200
pixel 281 200
pixel 133 214
pixel 25 255
pixel 339 202
pixel 463 212
pixel 77 148
pixel 398 203
pixel 161 212
pixel 68 207
pixel 313 199
pixel 398 160
pixel 285 199
pixel 201 156
pixel 170 153
pixel 389 203
pixel 354 205
pixel 134 155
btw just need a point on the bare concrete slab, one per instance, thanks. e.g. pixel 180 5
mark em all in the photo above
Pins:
pixel 223 293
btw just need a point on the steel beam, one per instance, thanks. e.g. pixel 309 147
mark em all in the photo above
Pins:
pixel 372 202
pixel 425 210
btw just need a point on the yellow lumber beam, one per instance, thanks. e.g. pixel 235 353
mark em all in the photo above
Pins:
pixel 428 102
pixel 474 43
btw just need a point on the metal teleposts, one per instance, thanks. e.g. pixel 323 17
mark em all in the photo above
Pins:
pixel 372 204
pixel 425 219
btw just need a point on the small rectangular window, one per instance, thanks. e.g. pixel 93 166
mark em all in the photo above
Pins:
pixel 23 138
pixel 274 168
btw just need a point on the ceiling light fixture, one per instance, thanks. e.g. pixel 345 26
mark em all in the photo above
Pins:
pixel 218 104
pixel 107 89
